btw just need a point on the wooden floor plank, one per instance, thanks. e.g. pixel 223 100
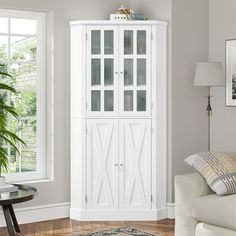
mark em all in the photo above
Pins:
pixel 67 227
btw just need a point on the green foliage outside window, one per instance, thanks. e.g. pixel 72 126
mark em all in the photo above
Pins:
pixel 7 137
pixel 23 78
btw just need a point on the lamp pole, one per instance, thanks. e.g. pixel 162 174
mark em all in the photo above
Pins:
pixel 209 113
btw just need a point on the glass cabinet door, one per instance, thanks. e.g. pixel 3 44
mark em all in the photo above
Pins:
pixel 102 71
pixel 135 71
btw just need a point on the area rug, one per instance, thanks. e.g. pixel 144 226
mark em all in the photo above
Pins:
pixel 122 231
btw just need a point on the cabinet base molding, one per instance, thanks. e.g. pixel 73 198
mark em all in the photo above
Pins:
pixel 132 215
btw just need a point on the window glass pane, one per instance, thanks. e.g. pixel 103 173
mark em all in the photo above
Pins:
pixel 96 42
pixel 128 72
pixel 23 48
pixel 28 153
pixel 14 161
pixel 96 100
pixel 108 100
pixel 141 100
pixel 25 102
pixel 141 42
pixel 25 74
pixel 27 159
pixel 108 72
pixel 108 42
pixel 128 42
pixel 128 100
pixel 23 26
pixel 96 72
pixel 3 25
pixel 141 72
pixel 3 48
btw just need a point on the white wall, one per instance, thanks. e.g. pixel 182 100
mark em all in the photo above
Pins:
pixel 153 9
pixel 189 45
pixel 222 26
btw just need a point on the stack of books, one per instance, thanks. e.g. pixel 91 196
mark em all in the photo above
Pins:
pixel 8 188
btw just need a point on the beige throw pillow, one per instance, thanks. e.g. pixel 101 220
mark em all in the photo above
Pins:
pixel 219 170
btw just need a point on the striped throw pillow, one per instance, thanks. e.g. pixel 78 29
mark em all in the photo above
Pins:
pixel 219 170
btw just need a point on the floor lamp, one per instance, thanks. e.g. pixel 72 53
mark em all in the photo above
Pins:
pixel 209 74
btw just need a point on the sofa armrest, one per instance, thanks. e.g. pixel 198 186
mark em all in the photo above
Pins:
pixel 187 187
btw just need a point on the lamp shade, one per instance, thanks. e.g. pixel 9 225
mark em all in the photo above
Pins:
pixel 209 74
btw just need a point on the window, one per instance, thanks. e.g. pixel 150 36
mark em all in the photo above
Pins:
pixel 22 52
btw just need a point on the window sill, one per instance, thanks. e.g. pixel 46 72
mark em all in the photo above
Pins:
pixel 28 178
pixel 36 181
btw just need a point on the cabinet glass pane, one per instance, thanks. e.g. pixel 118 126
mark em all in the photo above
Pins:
pixel 96 100
pixel 96 42
pixel 128 100
pixel 96 72
pixel 108 100
pixel 128 42
pixel 108 72
pixel 108 42
pixel 141 72
pixel 128 72
pixel 141 42
pixel 141 100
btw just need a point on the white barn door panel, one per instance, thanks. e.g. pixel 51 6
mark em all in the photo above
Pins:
pixel 102 164
pixel 135 164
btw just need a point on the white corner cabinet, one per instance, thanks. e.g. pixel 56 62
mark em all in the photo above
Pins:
pixel 118 120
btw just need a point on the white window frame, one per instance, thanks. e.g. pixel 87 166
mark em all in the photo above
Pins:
pixel 41 171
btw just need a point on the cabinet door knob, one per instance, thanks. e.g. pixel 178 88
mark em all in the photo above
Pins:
pixel 116 164
pixel 121 164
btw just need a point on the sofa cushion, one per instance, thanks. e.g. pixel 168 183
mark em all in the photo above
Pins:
pixel 203 229
pixel 219 170
pixel 216 210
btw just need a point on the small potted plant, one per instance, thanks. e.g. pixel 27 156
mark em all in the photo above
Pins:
pixel 6 136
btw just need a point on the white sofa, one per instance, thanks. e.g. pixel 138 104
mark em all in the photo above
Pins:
pixel 200 212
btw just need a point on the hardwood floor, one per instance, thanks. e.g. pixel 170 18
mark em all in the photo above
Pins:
pixel 67 227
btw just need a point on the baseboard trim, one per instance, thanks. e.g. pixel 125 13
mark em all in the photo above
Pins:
pixel 121 215
pixel 39 213
pixel 63 210
pixel 170 210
